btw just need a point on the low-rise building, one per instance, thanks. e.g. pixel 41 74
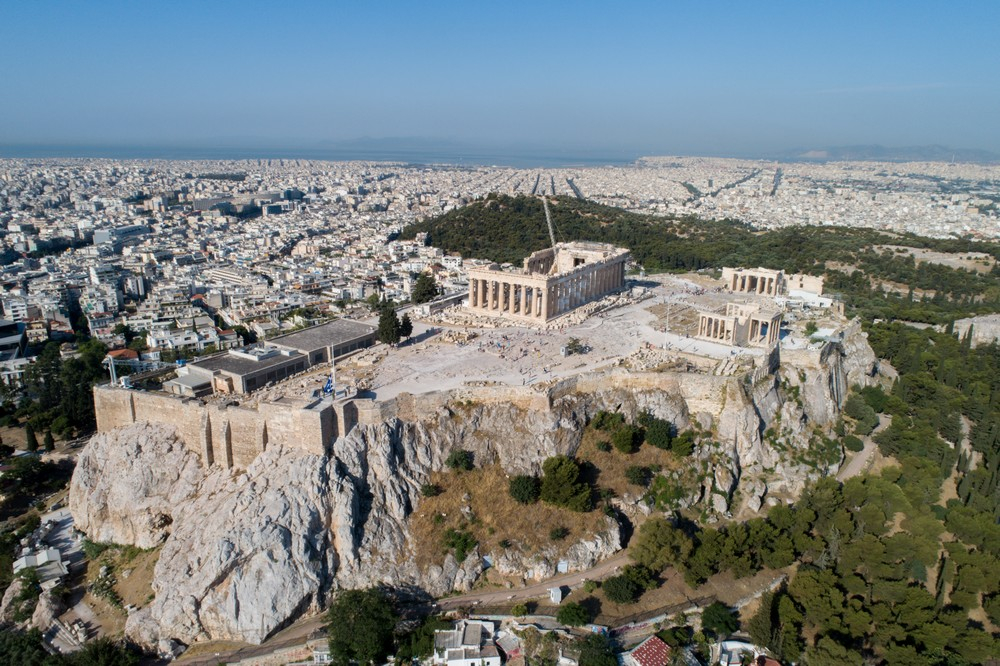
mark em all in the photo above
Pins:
pixel 651 652
pixel 237 371
pixel 470 643
pixel 48 564
pixel 326 342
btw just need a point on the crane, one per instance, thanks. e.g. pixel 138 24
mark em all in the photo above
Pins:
pixel 110 362
pixel 548 219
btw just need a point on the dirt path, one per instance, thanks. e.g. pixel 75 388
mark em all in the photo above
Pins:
pixel 487 597
pixel 861 460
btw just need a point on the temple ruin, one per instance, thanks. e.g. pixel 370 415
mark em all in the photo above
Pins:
pixel 743 325
pixel 768 282
pixel 552 282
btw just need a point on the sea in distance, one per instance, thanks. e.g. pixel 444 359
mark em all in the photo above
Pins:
pixel 450 155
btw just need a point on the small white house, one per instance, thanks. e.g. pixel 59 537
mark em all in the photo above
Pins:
pixel 470 643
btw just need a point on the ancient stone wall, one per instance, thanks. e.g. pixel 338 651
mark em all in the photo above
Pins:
pixel 228 435
pixel 233 435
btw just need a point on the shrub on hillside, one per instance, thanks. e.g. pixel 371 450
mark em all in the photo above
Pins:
pixel 459 460
pixel 524 489
pixel 627 439
pixel 659 431
pixel 852 443
pixel 719 620
pixel 572 614
pixel 607 420
pixel 621 590
pixel 558 533
pixel 683 445
pixel 638 475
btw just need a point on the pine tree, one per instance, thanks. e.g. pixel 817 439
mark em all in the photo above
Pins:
pixel 31 442
pixel 388 325
pixel 49 441
pixel 424 289
pixel 406 326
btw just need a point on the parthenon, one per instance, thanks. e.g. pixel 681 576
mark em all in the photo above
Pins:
pixel 552 282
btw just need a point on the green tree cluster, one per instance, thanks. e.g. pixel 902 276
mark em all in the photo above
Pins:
pixel 626 587
pixel 389 326
pixel 361 627
pixel 59 392
pixel 864 588
pixel 27 649
pixel 864 416
pixel 573 614
pixel 719 620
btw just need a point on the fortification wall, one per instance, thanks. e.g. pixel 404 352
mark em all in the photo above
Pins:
pixel 228 435
pixel 233 435
pixel 812 358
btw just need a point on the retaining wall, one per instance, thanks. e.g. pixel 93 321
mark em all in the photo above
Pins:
pixel 233 435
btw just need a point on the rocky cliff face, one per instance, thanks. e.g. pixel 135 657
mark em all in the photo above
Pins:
pixel 248 551
pixel 244 552
pixel 128 482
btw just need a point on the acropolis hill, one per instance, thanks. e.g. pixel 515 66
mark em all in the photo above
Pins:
pixel 337 483
pixel 650 335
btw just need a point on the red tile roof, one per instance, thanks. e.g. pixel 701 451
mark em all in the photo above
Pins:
pixel 651 652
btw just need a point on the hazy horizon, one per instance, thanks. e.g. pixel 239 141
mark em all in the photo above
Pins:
pixel 415 150
pixel 643 79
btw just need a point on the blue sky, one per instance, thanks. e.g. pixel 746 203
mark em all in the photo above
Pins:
pixel 658 77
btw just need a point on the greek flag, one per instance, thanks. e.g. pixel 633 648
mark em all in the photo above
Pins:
pixel 328 387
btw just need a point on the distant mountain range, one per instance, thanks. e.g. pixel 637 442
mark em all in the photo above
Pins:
pixel 876 153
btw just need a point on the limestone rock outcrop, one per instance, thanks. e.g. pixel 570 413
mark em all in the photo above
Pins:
pixel 8 604
pixel 128 481
pixel 580 556
pixel 244 552
pixel 46 611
